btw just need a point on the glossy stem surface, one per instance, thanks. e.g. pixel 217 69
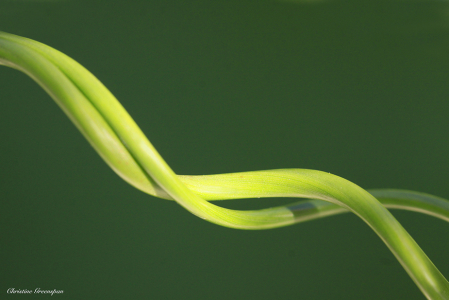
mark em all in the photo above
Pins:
pixel 119 141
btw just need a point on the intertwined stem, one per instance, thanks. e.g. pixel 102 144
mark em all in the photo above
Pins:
pixel 120 142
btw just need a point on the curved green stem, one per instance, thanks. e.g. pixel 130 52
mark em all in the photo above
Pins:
pixel 225 187
pixel 120 142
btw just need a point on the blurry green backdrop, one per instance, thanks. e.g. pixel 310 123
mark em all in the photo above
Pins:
pixel 355 88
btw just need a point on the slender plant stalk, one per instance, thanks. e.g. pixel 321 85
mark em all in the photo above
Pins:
pixel 124 147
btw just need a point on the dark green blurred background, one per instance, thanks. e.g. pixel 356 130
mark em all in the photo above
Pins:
pixel 356 88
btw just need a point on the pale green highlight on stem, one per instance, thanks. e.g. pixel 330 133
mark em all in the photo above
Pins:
pixel 120 142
